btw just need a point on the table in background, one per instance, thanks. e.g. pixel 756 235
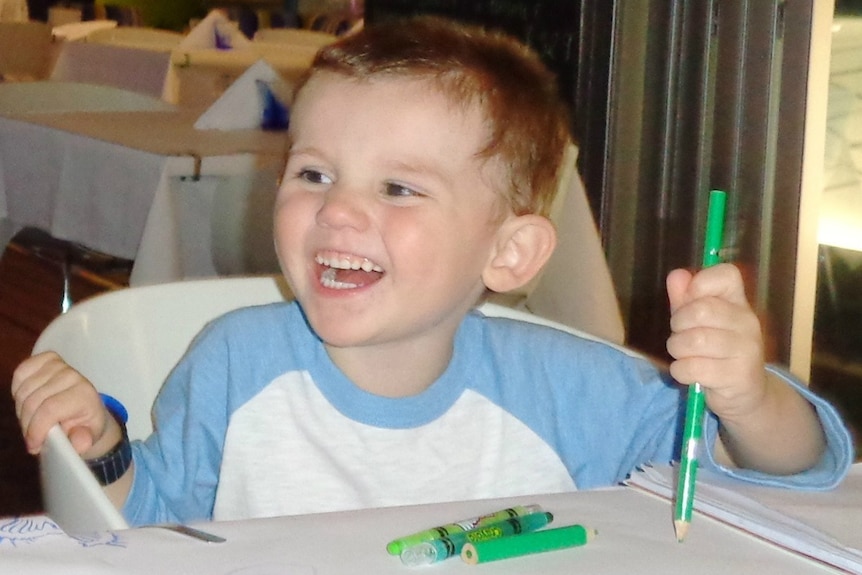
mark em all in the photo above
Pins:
pixel 635 535
pixel 141 185
pixel 197 77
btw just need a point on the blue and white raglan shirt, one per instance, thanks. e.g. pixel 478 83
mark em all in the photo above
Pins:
pixel 257 421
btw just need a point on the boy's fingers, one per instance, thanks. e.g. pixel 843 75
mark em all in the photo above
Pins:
pixel 29 368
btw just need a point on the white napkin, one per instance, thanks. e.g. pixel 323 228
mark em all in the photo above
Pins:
pixel 215 31
pixel 257 99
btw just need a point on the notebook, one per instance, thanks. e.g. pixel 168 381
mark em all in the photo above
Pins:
pixel 799 521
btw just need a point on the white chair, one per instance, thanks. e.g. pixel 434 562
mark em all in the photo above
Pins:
pixel 126 342
pixel 576 287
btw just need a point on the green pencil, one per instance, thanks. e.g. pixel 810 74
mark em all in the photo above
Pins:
pixel 696 402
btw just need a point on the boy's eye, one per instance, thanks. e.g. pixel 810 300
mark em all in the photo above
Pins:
pixel 314 177
pixel 400 191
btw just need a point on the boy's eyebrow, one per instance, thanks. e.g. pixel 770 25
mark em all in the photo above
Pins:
pixel 422 168
pixel 293 150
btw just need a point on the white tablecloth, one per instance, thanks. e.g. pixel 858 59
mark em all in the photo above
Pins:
pixel 635 535
pixel 141 185
pixel 52 96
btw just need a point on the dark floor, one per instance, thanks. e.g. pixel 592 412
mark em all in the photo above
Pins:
pixel 31 289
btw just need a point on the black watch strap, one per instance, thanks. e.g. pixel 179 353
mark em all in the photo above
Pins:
pixel 111 466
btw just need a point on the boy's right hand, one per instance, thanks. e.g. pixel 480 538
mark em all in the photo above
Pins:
pixel 48 391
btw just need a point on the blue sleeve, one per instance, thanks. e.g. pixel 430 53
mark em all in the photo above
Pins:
pixel 829 471
pixel 176 468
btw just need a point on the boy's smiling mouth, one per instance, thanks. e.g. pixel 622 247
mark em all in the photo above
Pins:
pixel 343 271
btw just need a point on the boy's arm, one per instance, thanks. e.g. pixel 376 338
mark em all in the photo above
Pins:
pixel 715 339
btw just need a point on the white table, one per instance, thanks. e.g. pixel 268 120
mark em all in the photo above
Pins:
pixel 141 185
pixel 635 535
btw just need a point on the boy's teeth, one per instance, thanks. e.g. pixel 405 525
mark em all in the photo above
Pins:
pixel 327 278
pixel 345 272
pixel 347 264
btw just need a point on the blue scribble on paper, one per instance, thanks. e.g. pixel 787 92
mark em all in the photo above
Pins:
pixel 21 531
pixel 103 538
pixel 25 530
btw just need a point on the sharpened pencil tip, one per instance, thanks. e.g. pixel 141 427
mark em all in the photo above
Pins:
pixel 681 529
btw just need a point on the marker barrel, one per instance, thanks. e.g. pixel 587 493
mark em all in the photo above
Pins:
pixel 526 544
pixel 396 546
pixel 436 550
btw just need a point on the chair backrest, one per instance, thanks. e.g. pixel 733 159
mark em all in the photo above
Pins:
pixel 576 287
pixel 127 341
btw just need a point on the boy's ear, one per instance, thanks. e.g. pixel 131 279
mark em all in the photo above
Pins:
pixel 524 244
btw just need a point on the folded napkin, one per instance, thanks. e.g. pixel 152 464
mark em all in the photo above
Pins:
pixel 215 31
pixel 257 99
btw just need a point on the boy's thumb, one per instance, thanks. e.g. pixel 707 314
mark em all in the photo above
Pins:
pixel 677 284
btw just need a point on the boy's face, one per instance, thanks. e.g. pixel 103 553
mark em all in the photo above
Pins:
pixel 382 178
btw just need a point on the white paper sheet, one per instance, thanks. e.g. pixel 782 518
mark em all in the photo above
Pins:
pixel 807 523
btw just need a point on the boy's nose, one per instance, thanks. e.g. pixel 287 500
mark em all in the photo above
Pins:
pixel 343 207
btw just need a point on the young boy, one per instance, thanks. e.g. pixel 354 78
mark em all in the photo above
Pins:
pixel 423 158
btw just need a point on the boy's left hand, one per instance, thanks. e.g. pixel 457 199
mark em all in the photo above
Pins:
pixel 716 339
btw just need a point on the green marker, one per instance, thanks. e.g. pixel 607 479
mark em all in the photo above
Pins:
pixel 397 546
pixel 436 550
pixel 696 404
pixel 526 544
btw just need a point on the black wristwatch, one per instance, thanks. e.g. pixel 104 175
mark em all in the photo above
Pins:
pixel 111 466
